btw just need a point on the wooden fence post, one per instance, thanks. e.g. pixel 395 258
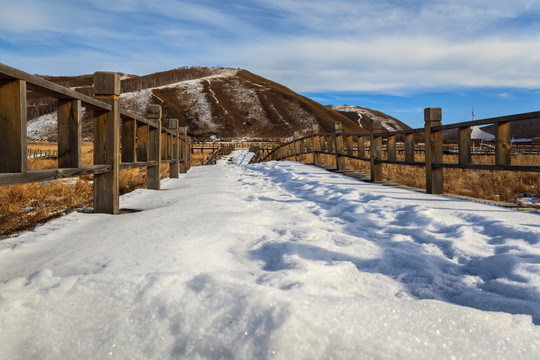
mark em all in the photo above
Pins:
pixel 174 168
pixel 434 154
pixel 361 146
pixel 391 148
pixel 350 145
pixel 188 158
pixel 296 146
pixel 183 150
pixel 69 133
pixel 375 150
pixel 13 122
pixel 107 143
pixel 338 143
pixel 316 144
pixel 464 145
pixel 409 147
pixel 153 180
pixel 503 147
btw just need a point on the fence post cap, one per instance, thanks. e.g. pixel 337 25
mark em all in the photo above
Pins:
pixel 338 127
pixel 432 114
pixel 173 124
pixel 154 112
pixel 106 83
pixel 376 124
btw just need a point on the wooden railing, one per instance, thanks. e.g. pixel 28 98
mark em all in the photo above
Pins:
pixel 353 145
pixel 143 141
pixel 224 149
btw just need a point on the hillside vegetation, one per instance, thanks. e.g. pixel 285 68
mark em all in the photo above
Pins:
pixel 212 102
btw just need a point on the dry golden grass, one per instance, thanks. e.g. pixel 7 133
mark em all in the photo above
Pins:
pixel 23 207
pixel 482 184
pixel 198 156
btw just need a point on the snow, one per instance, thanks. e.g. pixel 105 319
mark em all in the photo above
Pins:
pixel 387 123
pixel 278 260
pixel 41 127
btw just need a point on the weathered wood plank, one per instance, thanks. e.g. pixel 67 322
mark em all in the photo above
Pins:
pixel 434 154
pixel 409 147
pixel 503 147
pixel 391 148
pixel 46 87
pixel 69 133
pixel 142 142
pixel 183 150
pixel 350 145
pixel 316 144
pixel 138 164
pixel 51 174
pixel 13 147
pixel 375 151
pixel 174 167
pixel 338 144
pixel 107 143
pixel 154 137
pixel 129 140
pixel 464 145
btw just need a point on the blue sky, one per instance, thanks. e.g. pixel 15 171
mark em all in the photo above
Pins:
pixel 394 56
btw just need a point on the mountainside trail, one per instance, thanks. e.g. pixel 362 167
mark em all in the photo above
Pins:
pixel 277 260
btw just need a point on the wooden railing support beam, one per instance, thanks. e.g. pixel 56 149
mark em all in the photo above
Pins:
pixel 434 154
pixel 391 148
pixel 13 121
pixel 153 180
pixel 503 148
pixel 69 133
pixel 316 140
pixel 464 145
pixel 338 144
pixel 174 168
pixel 183 150
pixel 409 147
pixel 107 143
pixel 375 150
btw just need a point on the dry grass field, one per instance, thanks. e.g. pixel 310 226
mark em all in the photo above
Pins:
pixel 482 184
pixel 23 207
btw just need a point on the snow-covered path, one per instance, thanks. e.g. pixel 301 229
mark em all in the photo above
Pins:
pixel 279 261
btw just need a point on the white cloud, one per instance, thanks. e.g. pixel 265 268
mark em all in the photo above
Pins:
pixel 381 46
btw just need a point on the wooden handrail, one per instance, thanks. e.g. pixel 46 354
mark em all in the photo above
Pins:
pixel 145 143
pixel 343 145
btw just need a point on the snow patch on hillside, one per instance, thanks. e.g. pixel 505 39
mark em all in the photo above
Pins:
pixel 40 128
pixel 387 123
pixel 246 99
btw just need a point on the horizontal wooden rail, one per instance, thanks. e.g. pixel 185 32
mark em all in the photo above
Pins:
pixel 51 174
pixel 122 140
pixel 342 145
pixel 48 88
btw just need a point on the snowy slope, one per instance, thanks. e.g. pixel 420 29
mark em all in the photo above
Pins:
pixel 279 261
pixel 365 116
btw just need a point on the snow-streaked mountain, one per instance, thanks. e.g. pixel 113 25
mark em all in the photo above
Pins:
pixel 365 116
pixel 223 102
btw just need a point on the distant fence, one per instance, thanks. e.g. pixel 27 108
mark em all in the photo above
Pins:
pixel 143 141
pixel 353 145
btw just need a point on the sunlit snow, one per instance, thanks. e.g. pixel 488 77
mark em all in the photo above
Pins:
pixel 278 260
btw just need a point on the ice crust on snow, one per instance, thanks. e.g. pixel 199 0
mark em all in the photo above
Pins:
pixel 277 260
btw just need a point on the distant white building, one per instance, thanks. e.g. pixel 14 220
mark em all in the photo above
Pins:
pixel 477 134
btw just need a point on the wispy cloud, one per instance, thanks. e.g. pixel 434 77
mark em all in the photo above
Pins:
pixel 385 46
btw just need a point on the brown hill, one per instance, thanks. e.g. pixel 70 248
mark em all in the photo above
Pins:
pixel 223 102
